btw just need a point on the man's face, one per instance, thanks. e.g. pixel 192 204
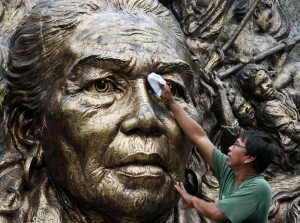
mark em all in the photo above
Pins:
pixel 237 154
pixel 109 140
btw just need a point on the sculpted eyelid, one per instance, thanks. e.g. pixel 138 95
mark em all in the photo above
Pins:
pixel 174 79
pixel 178 83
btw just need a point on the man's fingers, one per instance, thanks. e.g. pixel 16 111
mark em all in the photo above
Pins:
pixel 182 186
pixel 178 187
pixel 185 196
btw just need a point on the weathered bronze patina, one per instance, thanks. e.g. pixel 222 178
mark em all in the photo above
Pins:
pixel 85 139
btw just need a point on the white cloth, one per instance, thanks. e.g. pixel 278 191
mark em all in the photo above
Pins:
pixel 155 80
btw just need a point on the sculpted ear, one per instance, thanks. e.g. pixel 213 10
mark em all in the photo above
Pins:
pixel 25 133
pixel 256 12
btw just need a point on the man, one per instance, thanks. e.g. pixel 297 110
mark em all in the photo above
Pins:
pixel 244 195
pixel 95 142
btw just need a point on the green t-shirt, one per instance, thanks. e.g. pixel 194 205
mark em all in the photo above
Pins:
pixel 247 202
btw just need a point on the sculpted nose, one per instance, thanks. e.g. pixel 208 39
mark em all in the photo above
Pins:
pixel 142 119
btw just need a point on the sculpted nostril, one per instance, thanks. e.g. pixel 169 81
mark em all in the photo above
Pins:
pixel 135 131
pixel 155 132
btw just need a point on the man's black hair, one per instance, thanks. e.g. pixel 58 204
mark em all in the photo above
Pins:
pixel 261 146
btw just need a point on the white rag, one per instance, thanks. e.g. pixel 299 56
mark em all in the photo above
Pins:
pixel 154 81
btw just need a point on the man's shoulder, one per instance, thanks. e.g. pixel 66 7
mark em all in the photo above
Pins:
pixel 259 186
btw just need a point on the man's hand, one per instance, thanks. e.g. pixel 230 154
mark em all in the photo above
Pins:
pixel 187 198
pixel 166 95
pixel 205 208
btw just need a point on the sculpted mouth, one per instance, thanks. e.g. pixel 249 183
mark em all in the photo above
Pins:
pixel 141 170
pixel 251 114
pixel 269 92
pixel 142 165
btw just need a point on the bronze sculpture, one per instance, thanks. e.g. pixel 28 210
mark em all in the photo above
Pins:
pixel 45 96
pixel 109 148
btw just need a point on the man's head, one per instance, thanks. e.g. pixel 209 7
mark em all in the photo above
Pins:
pixel 78 92
pixel 256 80
pixel 261 146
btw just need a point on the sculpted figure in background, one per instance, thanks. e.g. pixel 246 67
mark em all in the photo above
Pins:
pixel 242 109
pixel 256 37
pixel 289 80
pixel 202 22
pixel 235 112
pixel 91 140
pixel 278 114
pixel 276 110
pixel 266 28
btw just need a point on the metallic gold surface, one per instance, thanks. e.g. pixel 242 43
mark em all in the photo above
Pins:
pixel 83 137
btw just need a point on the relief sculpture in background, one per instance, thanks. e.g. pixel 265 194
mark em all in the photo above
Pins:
pixel 249 82
pixel 83 137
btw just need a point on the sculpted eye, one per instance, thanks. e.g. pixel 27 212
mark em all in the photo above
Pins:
pixel 103 86
pixel 177 90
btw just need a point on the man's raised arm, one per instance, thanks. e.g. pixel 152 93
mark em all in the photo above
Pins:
pixel 189 126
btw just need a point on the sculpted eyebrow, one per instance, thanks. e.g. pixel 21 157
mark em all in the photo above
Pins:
pixel 178 67
pixel 108 64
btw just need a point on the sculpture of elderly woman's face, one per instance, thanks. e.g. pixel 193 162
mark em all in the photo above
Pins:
pixel 109 141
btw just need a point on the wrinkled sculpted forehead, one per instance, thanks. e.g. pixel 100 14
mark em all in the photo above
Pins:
pixel 127 35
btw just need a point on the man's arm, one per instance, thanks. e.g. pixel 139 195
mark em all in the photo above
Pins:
pixel 189 126
pixel 206 209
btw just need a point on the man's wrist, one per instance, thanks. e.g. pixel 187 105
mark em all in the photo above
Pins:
pixel 171 103
pixel 193 200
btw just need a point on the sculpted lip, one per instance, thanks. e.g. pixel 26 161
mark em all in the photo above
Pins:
pixel 142 165
pixel 269 92
pixel 140 170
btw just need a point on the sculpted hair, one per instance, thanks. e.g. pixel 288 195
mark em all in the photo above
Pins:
pixel 261 146
pixel 35 59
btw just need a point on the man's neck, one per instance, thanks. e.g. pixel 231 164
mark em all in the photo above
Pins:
pixel 244 174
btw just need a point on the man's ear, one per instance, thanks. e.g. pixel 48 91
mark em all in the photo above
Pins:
pixel 25 134
pixel 250 159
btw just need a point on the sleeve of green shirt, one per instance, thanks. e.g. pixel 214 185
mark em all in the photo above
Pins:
pixel 220 169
